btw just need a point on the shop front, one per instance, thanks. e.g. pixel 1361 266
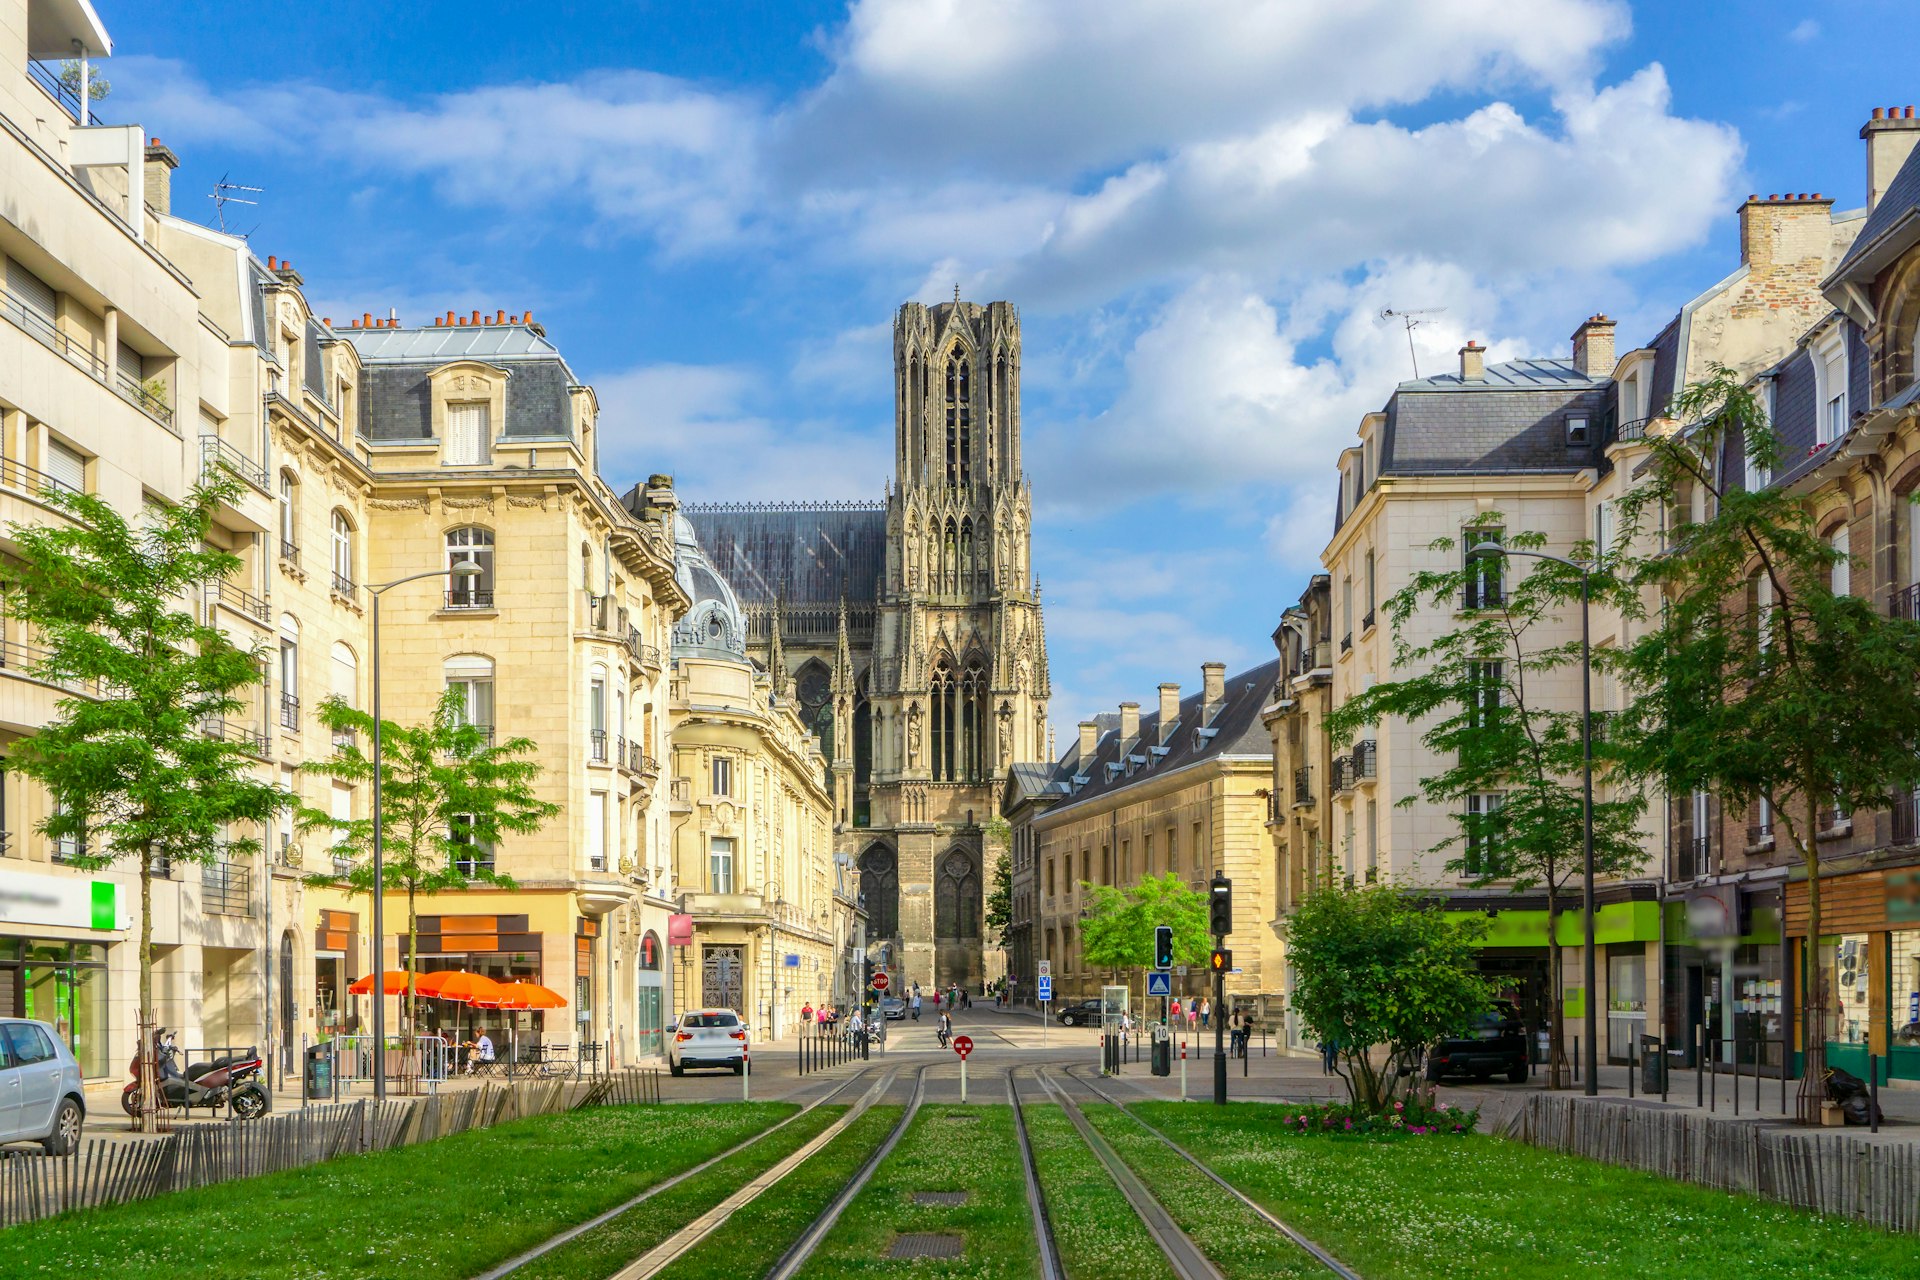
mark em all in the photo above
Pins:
pixel 1863 975
pixel 56 935
pixel 502 947
pixel 650 997
pixel 1726 977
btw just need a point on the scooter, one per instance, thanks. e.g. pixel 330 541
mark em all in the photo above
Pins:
pixel 212 1084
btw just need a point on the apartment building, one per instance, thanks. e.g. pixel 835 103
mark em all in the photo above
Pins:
pixel 767 911
pixel 1181 790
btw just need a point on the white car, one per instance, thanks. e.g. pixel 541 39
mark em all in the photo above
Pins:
pixel 40 1095
pixel 708 1038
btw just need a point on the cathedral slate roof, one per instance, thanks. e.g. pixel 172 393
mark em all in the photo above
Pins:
pixel 799 553
pixel 1234 730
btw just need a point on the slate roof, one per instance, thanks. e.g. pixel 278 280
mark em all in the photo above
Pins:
pixel 802 554
pixel 397 364
pixel 1894 222
pixel 1513 420
pixel 1235 730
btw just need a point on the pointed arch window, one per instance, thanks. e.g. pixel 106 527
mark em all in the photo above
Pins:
pixel 959 420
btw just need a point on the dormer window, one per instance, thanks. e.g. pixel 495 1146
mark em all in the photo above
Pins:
pixel 469 433
pixel 1576 430
pixel 1830 382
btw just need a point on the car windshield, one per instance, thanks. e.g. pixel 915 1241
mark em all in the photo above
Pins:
pixel 710 1020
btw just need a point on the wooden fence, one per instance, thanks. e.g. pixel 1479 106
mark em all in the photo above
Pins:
pixel 117 1171
pixel 1826 1171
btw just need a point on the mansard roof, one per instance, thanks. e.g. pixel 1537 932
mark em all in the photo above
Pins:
pixel 1890 230
pixel 808 553
pixel 1513 420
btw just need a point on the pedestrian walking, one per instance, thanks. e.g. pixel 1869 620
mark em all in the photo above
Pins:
pixel 1206 1012
pixel 1175 1013
pixel 1329 1055
pixel 914 1005
pixel 946 1029
pixel 806 1018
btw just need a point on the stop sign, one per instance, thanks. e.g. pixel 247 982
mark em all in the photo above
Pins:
pixel 879 982
pixel 963 1045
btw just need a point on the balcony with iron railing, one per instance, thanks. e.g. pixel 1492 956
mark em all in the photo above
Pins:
pixel 1303 785
pixel 25 479
pixel 1366 760
pixel 1904 603
pixel 597 745
pixel 289 711
pixel 1693 857
pixel 290 552
pixel 253 741
pixel 1366 621
pixel 345 587
pixel 25 660
pixel 1760 835
pixel 237 598
pixel 1346 642
pixel 218 455
pixel 643 653
pixel 1342 774
pixel 1631 430
pixel 470 597
pixel 42 328
pixel 66 95
pixel 226 888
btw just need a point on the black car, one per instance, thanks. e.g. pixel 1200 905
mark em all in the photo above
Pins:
pixel 1080 1013
pixel 1496 1043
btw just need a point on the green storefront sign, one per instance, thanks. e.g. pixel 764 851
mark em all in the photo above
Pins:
pixel 1615 922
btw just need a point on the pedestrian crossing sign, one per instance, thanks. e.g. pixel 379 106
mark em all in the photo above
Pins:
pixel 1159 983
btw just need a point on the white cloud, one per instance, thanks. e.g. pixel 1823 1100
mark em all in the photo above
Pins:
pixel 1803 31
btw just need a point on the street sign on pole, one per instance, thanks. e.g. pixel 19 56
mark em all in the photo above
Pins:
pixel 879 982
pixel 1046 987
pixel 1159 984
pixel 1046 968
pixel 963 1045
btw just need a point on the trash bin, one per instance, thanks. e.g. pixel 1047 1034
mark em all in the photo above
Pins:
pixel 319 1072
pixel 1162 1057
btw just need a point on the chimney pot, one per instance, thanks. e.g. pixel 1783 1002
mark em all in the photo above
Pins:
pixel 1890 137
pixel 327 321
pixel 1593 347
pixel 476 318
pixel 1879 113
pixel 500 317
pixel 366 319
pixel 526 317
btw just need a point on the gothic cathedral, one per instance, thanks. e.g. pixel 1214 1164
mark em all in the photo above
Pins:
pixel 910 632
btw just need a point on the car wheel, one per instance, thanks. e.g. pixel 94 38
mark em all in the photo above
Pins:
pixel 1066 1019
pixel 1517 1075
pixel 676 1069
pixel 66 1129
pixel 739 1068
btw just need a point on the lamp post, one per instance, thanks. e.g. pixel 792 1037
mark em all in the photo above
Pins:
pixel 773 946
pixel 1590 1051
pixel 464 569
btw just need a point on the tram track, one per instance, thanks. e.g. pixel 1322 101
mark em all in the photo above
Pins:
pixel 1050 1268
pixel 574 1232
pixel 1319 1254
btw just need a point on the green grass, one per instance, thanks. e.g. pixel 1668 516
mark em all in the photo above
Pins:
pixel 446 1209
pixel 940 1153
pixel 1099 1235
pixel 1240 1244
pixel 612 1245
pixel 1480 1206
pixel 756 1237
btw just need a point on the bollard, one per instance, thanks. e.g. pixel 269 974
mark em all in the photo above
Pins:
pixel 1873 1093
pixel 1576 1059
pixel 746 1075
pixel 963 1081
pixel 1183 1071
pixel 1699 1066
pixel 1666 1066
pixel 1713 1082
pixel 1736 1076
pixel 1629 1069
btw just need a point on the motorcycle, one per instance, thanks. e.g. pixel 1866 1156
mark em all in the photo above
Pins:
pixel 234 1078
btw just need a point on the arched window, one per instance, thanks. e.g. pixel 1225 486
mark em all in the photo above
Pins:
pixel 343 576
pixel 959 420
pixel 475 544
pixel 941 762
pixel 1842 540
pixel 956 898
pixel 346 674
pixel 472 676
pixel 880 891
pixel 650 951
pixel 289 672
pixel 289 516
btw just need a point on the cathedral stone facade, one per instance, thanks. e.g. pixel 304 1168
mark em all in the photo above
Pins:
pixel 910 633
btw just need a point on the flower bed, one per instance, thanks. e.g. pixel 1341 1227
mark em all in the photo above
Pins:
pixel 1416 1117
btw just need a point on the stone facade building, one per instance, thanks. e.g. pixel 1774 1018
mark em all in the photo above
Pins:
pixel 910 633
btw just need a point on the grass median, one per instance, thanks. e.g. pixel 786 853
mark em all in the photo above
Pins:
pixel 1433 1209
pixel 1099 1235
pixel 774 1221
pixel 1240 1244
pixel 947 1148
pixel 441 1210
pixel 612 1245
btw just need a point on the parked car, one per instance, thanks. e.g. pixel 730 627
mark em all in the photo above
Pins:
pixel 40 1095
pixel 894 1007
pixel 1080 1013
pixel 708 1038
pixel 1496 1042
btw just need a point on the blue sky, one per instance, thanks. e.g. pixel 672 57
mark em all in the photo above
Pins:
pixel 1200 208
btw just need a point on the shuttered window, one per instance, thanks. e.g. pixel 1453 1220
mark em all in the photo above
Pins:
pixel 67 466
pixel 467 433
pixel 31 291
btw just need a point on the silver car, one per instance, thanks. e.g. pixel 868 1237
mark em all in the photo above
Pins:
pixel 40 1095
pixel 708 1038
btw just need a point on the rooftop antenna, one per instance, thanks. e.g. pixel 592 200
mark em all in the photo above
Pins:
pixel 222 196
pixel 1410 318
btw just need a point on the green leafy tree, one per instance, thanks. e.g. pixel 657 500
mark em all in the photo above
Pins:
pixel 1382 975
pixel 1491 696
pixel 1117 929
pixel 1760 681
pixel 138 761
pixel 97 86
pixel 448 796
pixel 999 914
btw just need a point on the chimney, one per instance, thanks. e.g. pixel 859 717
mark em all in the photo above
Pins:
pixel 1089 739
pixel 1593 347
pixel 1129 722
pixel 1213 689
pixel 1473 362
pixel 1169 710
pixel 161 162
pixel 1781 234
pixel 1890 136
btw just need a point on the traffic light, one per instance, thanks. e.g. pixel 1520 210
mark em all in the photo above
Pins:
pixel 1163 946
pixel 1220 907
pixel 1220 961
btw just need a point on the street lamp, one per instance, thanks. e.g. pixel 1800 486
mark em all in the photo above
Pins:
pixel 1590 1051
pixel 463 569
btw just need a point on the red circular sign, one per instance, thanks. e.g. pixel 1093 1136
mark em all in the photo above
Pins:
pixel 879 982
pixel 963 1045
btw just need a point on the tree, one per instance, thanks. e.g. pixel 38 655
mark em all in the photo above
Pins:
pixel 1508 739
pixel 1117 930
pixel 97 86
pixel 1375 967
pixel 448 795
pixel 138 762
pixel 1760 681
pixel 998 836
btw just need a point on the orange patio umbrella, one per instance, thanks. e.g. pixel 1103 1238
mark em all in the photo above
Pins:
pixel 393 982
pixel 527 995
pixel 458 985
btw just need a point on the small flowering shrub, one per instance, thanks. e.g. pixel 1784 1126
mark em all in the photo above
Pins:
pixel 1416 1117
